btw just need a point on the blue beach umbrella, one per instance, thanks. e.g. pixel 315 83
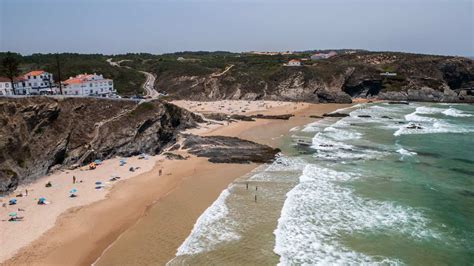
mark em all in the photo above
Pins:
pixel 42 199
pixel 72 191
pixel 12 201
pixel 98 183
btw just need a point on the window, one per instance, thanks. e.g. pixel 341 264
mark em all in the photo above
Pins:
pixel 7 85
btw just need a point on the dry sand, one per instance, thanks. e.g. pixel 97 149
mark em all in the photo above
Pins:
pixel 80 229
pixel 37 219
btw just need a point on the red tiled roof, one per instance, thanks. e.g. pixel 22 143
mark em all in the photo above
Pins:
pixel 73 81
pixel 35 73
pixel 3 79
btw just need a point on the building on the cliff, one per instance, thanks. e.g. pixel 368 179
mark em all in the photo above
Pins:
pixel 89 85
pixel 5 87
pixel 319 56
pixel 35 82
pixel 294 62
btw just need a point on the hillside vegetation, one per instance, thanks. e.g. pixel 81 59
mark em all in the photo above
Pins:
pixel 337 79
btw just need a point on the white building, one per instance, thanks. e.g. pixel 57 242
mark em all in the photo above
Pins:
pixel 35 83
pixel 294 62
pixel 88 85
pixel 5 87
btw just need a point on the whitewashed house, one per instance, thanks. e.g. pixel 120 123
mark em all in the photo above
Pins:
pixel 294 62
pixel 35 83
pixel 5 87
pixel 88 85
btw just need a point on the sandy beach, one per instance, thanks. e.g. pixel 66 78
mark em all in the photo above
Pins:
pixel 114 223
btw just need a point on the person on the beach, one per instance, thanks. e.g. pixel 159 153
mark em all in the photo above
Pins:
pixel 247 184
pixel 26 192
pixel 256 188
pixel 74 179
pixel 255 198
pixel 160 171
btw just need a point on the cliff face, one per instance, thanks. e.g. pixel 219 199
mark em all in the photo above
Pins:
pixel 39 133
pixel 338 79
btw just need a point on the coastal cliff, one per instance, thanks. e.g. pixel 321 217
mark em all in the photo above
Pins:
pixel 382 75
pixel 40 134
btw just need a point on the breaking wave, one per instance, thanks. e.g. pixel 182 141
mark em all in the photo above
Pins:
pixel 210 229
pixel 319 210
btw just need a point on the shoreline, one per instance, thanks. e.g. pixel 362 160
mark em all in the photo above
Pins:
pixel 97 231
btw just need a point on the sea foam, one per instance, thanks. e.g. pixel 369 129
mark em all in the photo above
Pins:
pixel 455 113
pixel 210 229
pixel 319 210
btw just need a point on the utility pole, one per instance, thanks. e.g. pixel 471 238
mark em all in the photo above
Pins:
pixel 59 74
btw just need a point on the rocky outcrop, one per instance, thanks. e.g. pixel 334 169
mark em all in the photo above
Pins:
pixel 38 134
pixel 221 149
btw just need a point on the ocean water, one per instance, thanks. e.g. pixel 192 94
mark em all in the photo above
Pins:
pixel 389 184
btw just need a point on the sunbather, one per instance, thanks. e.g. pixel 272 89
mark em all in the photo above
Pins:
pixel 15 219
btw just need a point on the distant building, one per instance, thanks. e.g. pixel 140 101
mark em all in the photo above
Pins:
pixel 294 62
pixel 5 87
pixel 89 85
pixel 319 56
pixel 181 59
pixel 35 83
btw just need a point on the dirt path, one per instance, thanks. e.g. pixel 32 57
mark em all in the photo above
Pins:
pixel 223 72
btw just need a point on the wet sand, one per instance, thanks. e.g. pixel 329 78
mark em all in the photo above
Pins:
pixel 148 216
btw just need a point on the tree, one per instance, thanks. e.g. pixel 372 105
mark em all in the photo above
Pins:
pixel 10 65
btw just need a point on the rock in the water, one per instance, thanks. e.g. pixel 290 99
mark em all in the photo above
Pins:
pixel 336 115
pixel 400 102
pixel 413 126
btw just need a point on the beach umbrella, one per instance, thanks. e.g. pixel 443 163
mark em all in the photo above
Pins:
pixel 72 191
pixel 12 214
pixel 42 199
pixel 12 201
pixel 97 161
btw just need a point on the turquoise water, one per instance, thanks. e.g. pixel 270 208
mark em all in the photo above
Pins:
pixel 371 189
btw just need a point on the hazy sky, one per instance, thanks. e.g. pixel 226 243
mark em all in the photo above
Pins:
pixel 107 26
